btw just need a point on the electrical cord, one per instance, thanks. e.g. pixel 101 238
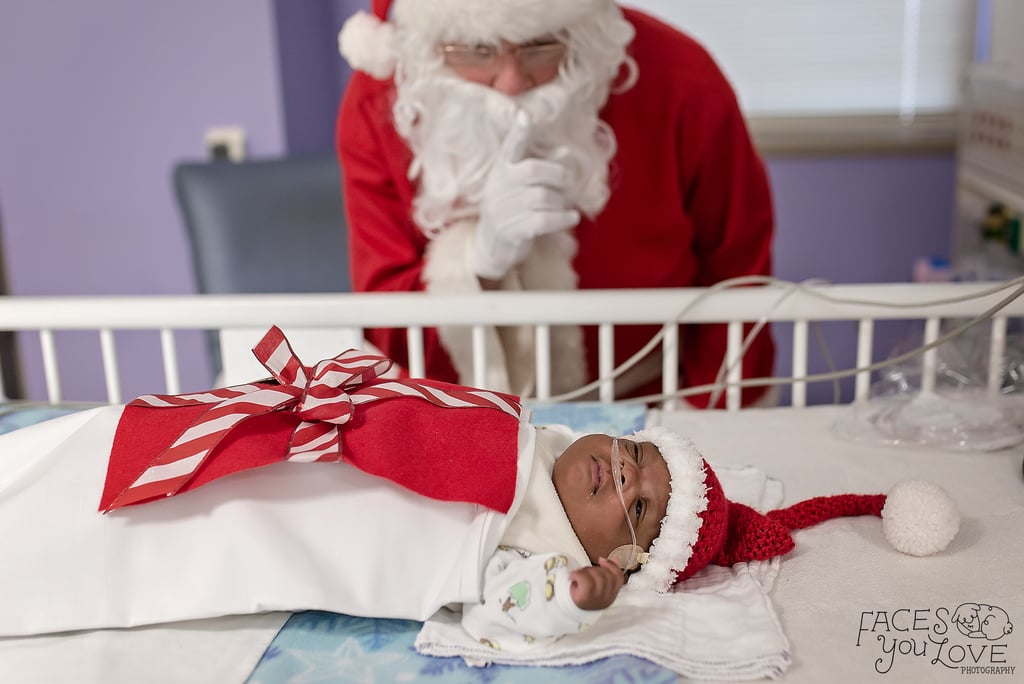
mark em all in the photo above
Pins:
pixel 818 377
pixel 655 340
pixel 834 375
pixel 725 368
pixel 790 288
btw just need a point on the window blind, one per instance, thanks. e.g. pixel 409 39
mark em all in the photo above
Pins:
pixel 809 58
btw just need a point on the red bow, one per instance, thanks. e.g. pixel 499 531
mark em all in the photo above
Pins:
pixel 323 397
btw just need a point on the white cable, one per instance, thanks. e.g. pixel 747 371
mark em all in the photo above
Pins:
pixel 764 382
pixel 725 367
pixel 1001 286
pixel 740 281
pixel 791 288
pixel 835 375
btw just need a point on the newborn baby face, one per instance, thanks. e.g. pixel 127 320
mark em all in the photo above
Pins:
pixel 583 480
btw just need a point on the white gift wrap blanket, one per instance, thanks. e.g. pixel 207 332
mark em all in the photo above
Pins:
pixel 264 540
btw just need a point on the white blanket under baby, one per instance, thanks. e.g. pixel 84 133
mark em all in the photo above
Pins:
pixel 719 625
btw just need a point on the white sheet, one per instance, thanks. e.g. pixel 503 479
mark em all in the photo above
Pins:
pixel 843 571
pixel 719 626
pixel 216 651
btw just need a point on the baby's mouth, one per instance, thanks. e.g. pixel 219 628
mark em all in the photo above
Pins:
pixel 597 475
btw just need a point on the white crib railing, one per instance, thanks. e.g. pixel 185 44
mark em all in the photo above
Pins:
pixel 352 313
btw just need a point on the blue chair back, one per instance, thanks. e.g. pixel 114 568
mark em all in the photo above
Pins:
pixel 265 226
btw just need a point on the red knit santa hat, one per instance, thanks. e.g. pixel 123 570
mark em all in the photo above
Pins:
pixel 701 526
pixel 366 40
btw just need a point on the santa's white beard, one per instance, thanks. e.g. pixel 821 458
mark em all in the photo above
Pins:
pixel 455 130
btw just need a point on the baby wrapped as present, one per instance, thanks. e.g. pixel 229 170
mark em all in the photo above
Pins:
pixel 445 495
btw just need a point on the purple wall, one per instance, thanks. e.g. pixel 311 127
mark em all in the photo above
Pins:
pixel 101 99
pixel 857 220
pixel 313 75
pixel 860 219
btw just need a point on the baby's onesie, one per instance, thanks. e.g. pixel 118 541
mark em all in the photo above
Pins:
pixel 525 600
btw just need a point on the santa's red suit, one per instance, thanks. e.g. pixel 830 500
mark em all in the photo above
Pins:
pixel 690 203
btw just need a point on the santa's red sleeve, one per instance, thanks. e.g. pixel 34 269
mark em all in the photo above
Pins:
pixel 731 204
pixel 385 246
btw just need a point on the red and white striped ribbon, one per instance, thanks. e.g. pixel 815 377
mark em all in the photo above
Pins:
pixel 323 396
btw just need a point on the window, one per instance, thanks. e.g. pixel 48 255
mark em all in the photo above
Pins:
pixel 891 70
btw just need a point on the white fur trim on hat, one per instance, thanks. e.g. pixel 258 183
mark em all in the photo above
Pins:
pixel 366 43
pixel 479 20
pixel 681 525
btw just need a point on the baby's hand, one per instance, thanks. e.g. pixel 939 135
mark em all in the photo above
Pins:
pixel 596 587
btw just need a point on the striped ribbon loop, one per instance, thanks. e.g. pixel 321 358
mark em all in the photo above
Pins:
pixel 323 400
pixel 323 396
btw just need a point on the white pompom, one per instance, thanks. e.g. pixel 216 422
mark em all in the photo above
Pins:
pixel 366 43
pixel 919 518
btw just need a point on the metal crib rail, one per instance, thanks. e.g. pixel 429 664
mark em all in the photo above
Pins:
pixel 604 308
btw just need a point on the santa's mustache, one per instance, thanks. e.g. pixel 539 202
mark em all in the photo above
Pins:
pixel 455 130
pixel 443 101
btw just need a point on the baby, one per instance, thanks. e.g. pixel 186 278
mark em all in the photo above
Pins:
pixel 445 495
pixel 574 513
pixel 592 509
pixel 606 517
pixel 559 523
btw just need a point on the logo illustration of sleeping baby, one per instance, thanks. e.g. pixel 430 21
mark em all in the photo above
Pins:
pixel 982 621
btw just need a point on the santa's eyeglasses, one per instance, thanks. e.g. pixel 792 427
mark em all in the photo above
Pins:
pixel 540 54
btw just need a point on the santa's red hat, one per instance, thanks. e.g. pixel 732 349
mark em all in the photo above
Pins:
pixel 366 40
pixel 702 527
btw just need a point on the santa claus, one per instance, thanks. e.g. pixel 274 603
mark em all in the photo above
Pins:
pixel 482 148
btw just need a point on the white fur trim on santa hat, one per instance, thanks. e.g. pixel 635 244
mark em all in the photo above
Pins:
pixel 366 43
pixel 680 527
pixel 919 518
pixel 479 20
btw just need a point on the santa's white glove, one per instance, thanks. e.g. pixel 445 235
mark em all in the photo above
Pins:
pixel 523 199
